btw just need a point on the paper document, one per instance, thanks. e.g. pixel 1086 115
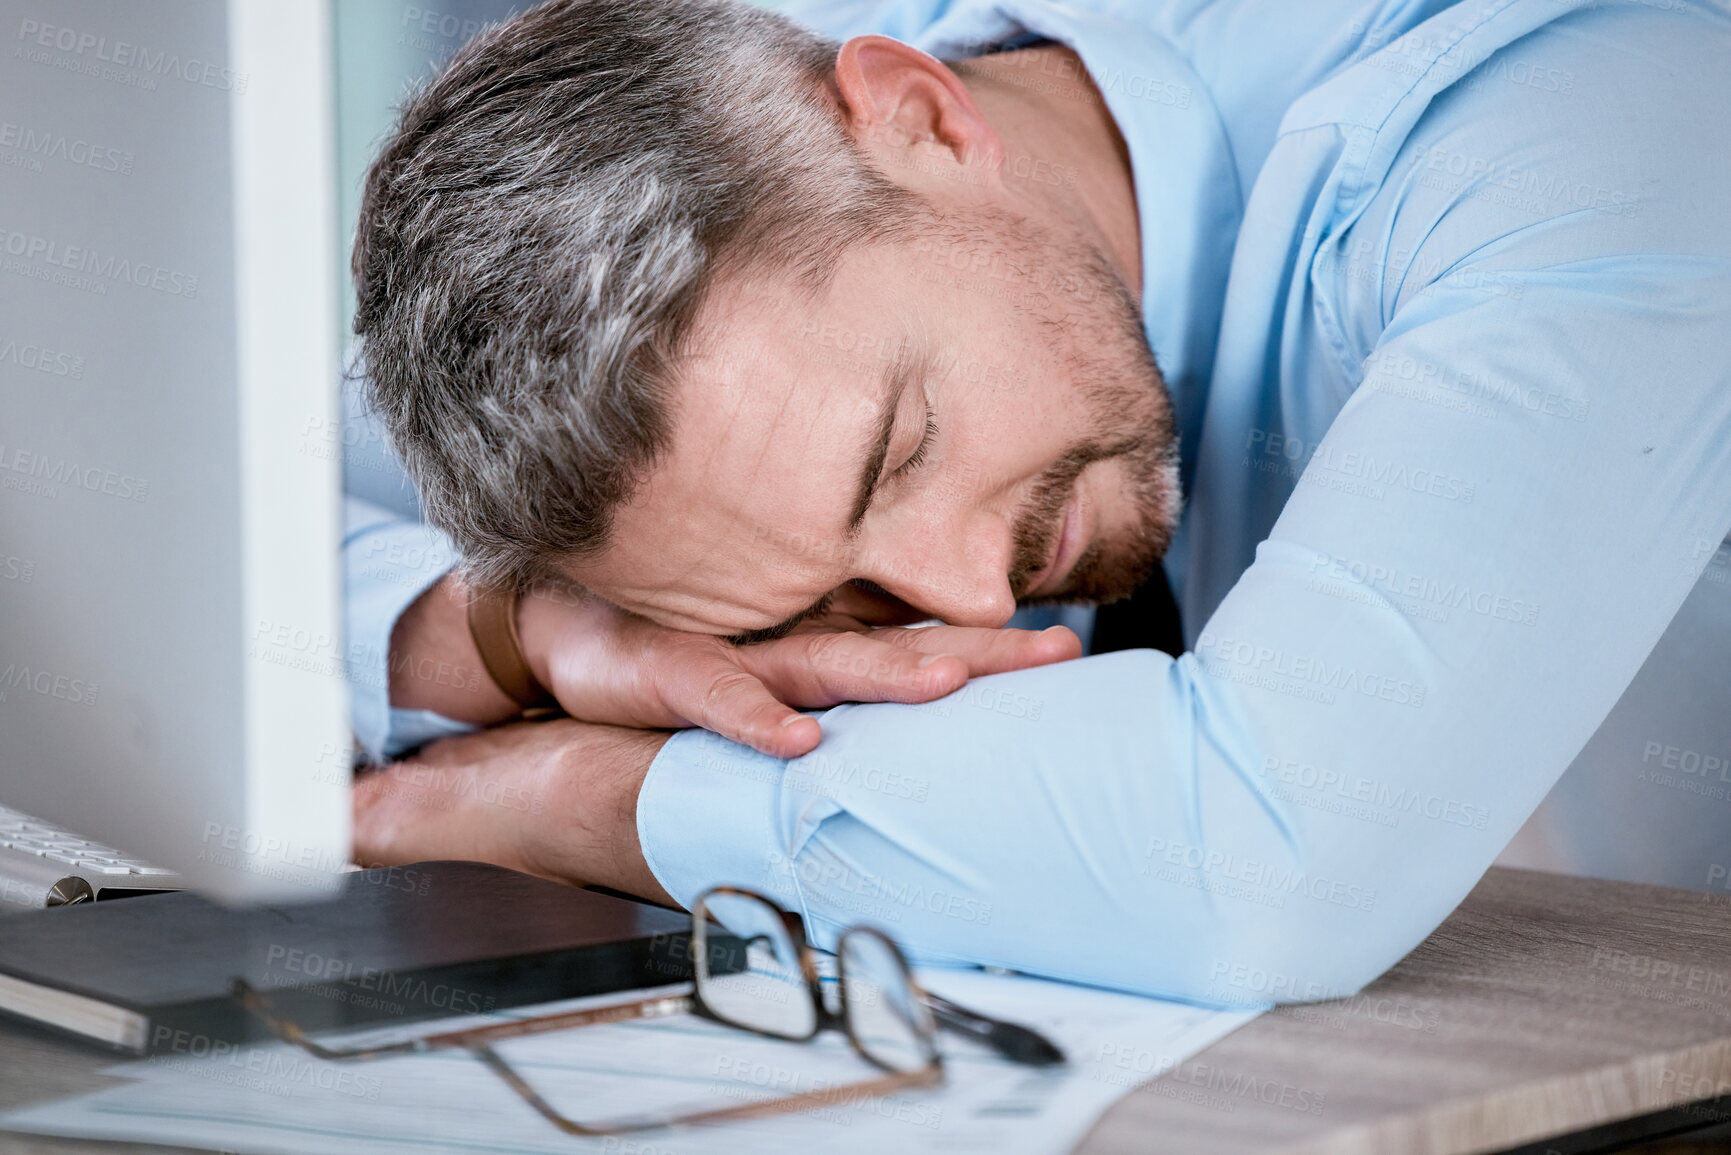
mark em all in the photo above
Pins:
pixel 277 1100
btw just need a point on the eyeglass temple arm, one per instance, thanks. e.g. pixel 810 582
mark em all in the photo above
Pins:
pixel 1015 1042
pixel 654 1008
pixel 822 1097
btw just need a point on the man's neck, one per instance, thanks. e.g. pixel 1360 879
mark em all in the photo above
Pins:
pixel 1062 145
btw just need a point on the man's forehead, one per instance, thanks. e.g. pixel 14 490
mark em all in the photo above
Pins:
pixel 760 409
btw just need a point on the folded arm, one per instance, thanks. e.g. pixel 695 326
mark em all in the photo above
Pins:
pixel 1446 609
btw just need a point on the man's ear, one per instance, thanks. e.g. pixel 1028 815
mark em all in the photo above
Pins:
pixel 896 97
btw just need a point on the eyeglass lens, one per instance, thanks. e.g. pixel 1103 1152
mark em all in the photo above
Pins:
pixel 765 990
pixel 884 1015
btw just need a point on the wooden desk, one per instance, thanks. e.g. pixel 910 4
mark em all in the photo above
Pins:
pixel 1545 1006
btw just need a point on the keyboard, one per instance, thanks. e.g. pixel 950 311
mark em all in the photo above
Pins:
pixel 43 865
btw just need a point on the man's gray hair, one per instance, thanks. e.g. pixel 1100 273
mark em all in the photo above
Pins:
pixel 539 231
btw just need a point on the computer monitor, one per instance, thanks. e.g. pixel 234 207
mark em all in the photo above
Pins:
pixel 172 677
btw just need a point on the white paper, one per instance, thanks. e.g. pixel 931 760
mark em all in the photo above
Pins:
pixel 277 1100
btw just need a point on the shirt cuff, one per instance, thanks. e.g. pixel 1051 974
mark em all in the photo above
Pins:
pixel 387 564
pixel 710 813
pixel 410 729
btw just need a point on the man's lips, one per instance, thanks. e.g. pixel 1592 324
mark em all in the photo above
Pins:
pixel 1065 547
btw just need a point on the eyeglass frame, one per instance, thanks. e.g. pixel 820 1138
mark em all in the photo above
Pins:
pixel 477 1040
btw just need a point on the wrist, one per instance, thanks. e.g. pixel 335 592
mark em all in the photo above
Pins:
pixel 556 799
pixel 493 628
pixel 595 784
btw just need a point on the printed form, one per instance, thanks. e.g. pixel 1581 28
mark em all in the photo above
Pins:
pixel 274 1099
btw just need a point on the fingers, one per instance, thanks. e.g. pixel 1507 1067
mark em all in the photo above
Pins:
pixel 429 806
pixel 750 693
pixel 711 690
pixel 986 651
pixel 816 670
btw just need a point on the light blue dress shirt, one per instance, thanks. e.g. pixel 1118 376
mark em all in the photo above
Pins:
pixel 1443 296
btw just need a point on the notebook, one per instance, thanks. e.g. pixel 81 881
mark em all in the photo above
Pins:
pixel 395 944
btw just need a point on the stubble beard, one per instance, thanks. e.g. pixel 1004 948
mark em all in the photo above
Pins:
pixel 1130 423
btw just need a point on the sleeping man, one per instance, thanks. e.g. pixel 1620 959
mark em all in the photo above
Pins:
pixel 1385 346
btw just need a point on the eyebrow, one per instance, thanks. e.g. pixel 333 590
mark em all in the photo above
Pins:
pixel 897 376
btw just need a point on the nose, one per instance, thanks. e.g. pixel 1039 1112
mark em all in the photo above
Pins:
pixel 955 568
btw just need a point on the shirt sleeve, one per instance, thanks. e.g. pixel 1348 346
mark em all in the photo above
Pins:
pixel 1445 610
pixel 387 564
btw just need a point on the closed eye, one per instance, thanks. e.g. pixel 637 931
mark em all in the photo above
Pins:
pixel 918 456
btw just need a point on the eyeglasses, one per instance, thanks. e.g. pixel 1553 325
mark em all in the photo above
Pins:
pixel 755 971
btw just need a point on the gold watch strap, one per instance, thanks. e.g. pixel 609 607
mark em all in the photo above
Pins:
pixel 493 626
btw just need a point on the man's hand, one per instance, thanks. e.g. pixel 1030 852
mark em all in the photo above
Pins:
pixel 608 666
pixel 556 799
